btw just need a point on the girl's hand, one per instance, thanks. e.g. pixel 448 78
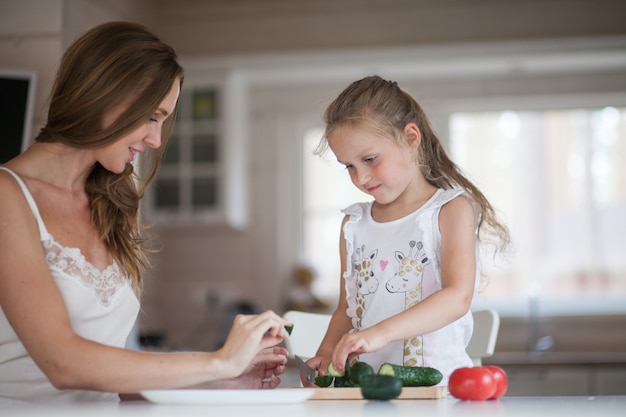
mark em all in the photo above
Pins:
pixel 248 336
pixel 353 344
pixel 320 364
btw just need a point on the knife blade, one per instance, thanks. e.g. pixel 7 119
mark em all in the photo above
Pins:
pixel 305 369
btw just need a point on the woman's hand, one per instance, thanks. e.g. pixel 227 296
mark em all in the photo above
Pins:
pixel 250 335
pixel 262 372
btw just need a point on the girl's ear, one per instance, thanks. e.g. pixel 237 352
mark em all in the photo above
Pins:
pixel 412 135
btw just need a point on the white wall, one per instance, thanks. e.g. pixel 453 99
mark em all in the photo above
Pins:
pixel 31 40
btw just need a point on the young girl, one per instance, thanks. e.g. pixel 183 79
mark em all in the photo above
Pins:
pixel 409 259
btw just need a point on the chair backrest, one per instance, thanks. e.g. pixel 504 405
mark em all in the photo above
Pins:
pixel 307 333
pixel 483 341
pixel 309 330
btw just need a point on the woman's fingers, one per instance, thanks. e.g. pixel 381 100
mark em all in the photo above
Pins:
pixel 252 333
pixel 266 322
pixel 271 382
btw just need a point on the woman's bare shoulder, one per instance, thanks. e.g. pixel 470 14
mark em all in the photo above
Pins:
pixel 15 211
pixel 9 187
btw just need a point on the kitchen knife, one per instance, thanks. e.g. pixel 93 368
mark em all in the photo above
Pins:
pixel 305 369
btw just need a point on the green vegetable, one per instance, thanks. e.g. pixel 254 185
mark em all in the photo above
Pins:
pixel 341 380
pixel 324 380
pixel 380 387
pixel 332 371
pixel 412 376
pixel 344 382
pixel 359 370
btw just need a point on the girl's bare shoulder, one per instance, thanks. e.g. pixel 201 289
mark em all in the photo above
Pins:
pixel 457 211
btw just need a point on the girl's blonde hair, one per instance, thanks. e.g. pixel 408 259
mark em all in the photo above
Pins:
pixel 381 107
pixel 113 64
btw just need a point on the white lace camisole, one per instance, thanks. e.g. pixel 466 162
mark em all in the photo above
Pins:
pixel 102 307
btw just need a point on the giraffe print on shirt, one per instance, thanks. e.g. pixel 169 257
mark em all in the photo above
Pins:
pixel 408 280
pixel 366 282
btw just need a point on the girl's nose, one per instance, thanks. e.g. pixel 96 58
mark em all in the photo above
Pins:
pixel 362 176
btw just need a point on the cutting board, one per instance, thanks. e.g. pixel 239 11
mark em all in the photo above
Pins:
pixel 408 393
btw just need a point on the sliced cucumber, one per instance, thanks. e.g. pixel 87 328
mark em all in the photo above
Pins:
pixel 324 380
pixel 332 371
pixel 359 370
pixel 344 382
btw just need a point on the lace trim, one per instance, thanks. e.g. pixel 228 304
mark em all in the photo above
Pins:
pixel 355 212
pixel 104 283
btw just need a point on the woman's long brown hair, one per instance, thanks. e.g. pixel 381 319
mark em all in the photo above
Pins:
pixel 114 64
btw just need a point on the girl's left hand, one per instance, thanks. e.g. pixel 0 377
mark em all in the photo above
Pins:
pixel 352 344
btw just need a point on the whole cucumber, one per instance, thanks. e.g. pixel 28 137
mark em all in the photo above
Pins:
pixel 380 387
pixel 412 376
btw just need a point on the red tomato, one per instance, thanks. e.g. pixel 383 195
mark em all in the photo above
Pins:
pixel 472 383
pixel 502 382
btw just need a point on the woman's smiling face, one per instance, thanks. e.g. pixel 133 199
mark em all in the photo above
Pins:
pixel 115 156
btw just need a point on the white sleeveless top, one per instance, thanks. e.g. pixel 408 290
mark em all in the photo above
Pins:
pixel 102 307
pixel 394 265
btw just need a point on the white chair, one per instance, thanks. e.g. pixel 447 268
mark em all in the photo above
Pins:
pixel 309 330
pixel 307 333
pixel 483 341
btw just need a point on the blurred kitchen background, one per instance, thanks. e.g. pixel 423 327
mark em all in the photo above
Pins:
pixel 528 95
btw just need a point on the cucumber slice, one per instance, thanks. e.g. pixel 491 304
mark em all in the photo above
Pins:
pixel 324 380
pixel 332 371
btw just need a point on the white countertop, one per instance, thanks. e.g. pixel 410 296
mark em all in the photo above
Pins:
pixel 508 406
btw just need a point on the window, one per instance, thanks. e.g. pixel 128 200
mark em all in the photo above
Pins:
pixel 188 180
pixel 202 177
pixel 327 189
pixel 558 178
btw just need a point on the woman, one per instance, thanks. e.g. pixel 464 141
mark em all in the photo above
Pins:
pixel 71 251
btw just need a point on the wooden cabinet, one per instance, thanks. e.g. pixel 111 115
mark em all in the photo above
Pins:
pixel 530 380
pixel 589 356
pixel 608 380
pixel 566 379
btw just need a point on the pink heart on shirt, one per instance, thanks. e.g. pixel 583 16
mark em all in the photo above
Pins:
pixel 383 264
